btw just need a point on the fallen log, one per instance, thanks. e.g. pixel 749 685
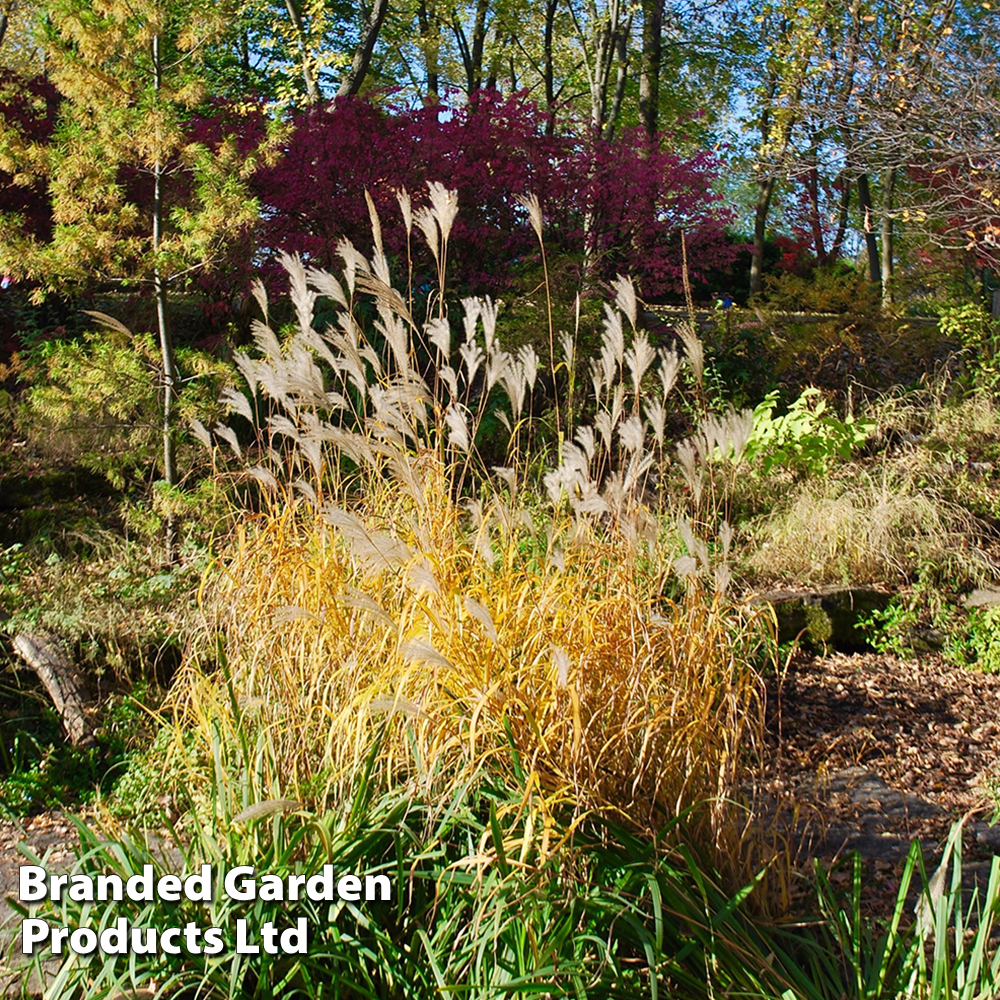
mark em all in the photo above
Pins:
pixel 63 681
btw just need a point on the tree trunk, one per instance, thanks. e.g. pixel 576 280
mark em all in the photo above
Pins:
pixel 551 6
pixel 499 48
pixel 765 191
pixel 355 76
pixel 45 654
pixel 308 76
pixel 845 206
pixel 245 60
pixel 871 240
pixel 815 219
pixel 613 112
pixel 430 42
pixel 478 46
pixel 775 137
pixel 888 236
pixel 599 81
pixel 472 54
pixel 166 336
pixel 649 77
pixel 602 45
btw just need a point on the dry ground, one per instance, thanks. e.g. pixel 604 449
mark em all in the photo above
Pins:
pixel 875 751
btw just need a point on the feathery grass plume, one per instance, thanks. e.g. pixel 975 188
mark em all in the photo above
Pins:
pixel 444 206
pixel 656 417
pixel 625 298
pixel 237 402
pixel 259 292
pixel 532 204
pixel 376 225
pixel 427 224
pixel 405 208
pixel 695 352
pixel 200 431
pixel 670 365
pixel 638 358
pixel 260 810
pixel 229 436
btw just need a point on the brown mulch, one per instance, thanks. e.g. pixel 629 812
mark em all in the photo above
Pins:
pixel 867 752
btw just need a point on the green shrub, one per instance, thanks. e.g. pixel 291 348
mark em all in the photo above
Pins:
pixel 837 289
pixel 807 438
pixel 979 334
pixel 890 629
pixel 984 638
pixel 97 401
pixel 40 771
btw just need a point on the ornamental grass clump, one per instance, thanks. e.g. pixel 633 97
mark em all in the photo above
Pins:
pixel 504 621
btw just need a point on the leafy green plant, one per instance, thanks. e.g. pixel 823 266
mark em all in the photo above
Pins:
pixel 14 563
pixel 979 334
pixel 148 775
pixel 807 438
pixel 837 289
pixel 978 642
pixel 40 771
pixel 889 629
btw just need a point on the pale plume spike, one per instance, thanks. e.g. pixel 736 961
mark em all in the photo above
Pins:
pixel 444 204
pixel 534 209
pixel 427 225
pixel 695 351
pixel 625 298
pixel 376 224
pixel 405 208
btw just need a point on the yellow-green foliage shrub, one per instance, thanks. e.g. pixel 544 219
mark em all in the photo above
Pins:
pixel 98 400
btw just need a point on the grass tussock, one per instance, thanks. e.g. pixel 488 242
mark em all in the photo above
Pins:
pixel 553 664
pixel 504 618
pixel 866 526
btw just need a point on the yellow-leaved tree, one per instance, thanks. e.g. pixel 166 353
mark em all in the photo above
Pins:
pixel 136 201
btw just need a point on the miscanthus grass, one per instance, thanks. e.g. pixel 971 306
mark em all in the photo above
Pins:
pixel 534 617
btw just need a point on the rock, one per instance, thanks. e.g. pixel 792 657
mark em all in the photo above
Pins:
pixel 826 617
pixel 987 836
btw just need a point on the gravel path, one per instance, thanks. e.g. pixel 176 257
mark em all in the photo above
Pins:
pixel 51 835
